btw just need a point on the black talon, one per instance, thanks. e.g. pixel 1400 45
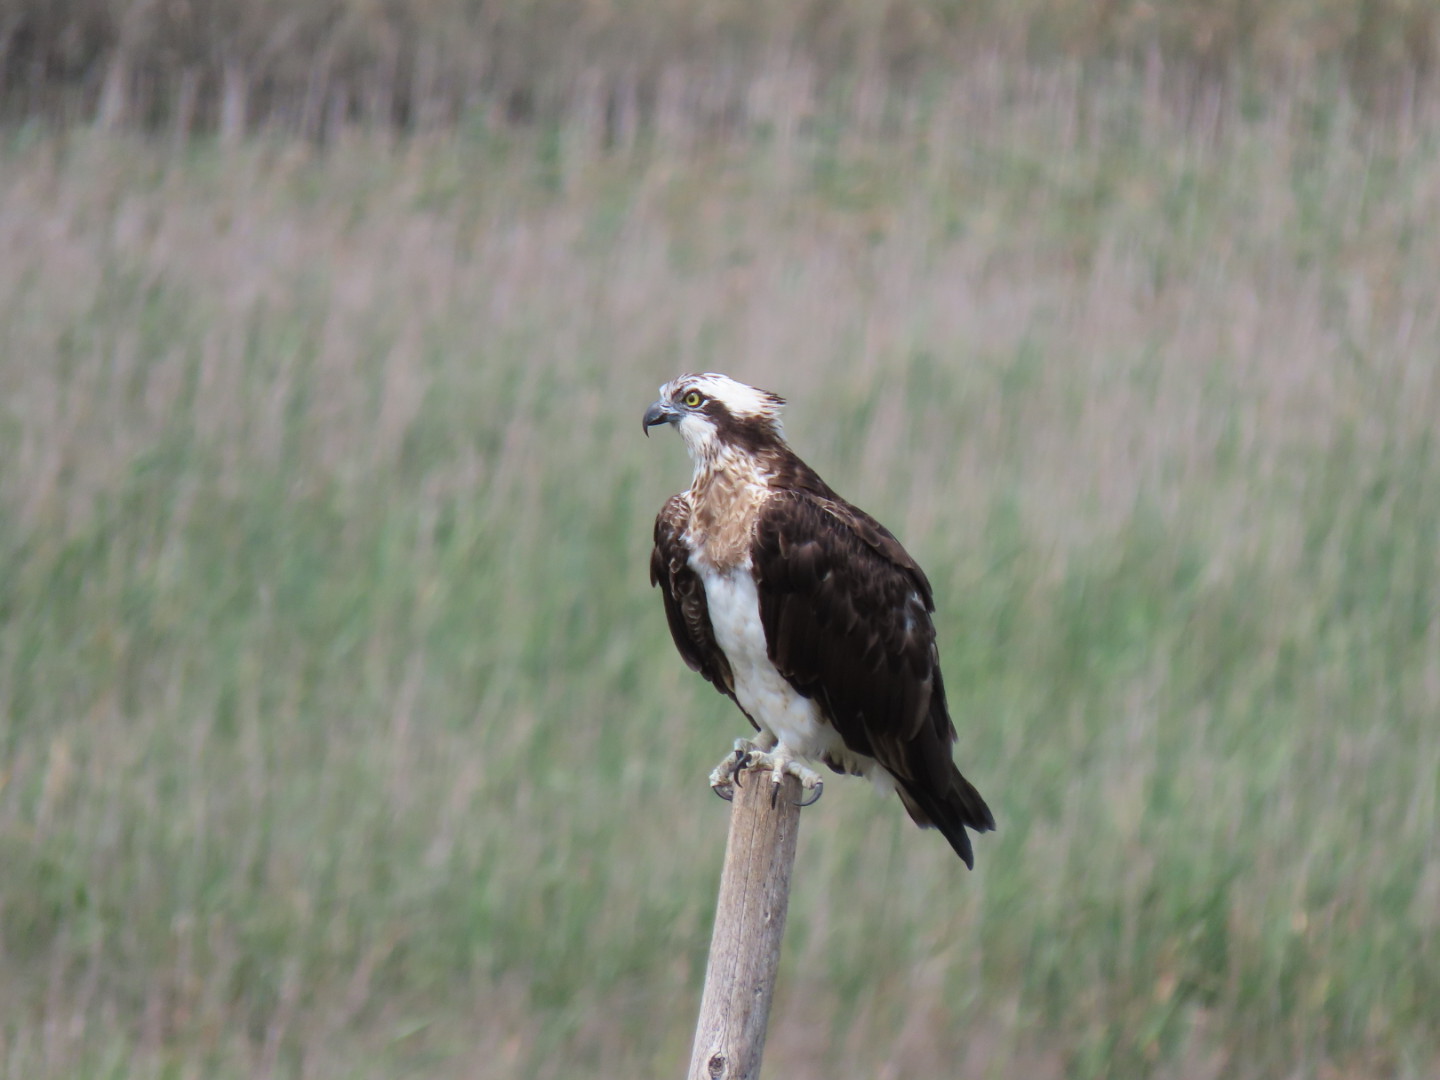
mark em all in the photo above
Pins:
pixel 819 790
pixel 721 793
pixel 740 756
pixel 774 795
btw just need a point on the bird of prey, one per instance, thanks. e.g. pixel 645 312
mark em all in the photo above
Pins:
pixel 804 611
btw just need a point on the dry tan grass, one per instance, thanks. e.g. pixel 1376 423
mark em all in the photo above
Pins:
pixel 313 66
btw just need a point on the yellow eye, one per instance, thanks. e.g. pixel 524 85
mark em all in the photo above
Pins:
pixel 692 399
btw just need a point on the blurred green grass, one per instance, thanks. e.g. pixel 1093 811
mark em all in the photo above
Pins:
pixel 343 734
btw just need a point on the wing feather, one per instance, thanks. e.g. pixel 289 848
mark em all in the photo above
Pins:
pixel 847 618
pixel 686 608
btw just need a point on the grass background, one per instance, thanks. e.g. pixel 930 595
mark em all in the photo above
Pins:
pixel 314 67
pixel 342 732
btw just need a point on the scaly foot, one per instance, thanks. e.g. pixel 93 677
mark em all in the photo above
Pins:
pixel 764 754
pixel 722 777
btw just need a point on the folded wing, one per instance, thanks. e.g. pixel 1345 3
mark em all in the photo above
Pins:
pixel 847 618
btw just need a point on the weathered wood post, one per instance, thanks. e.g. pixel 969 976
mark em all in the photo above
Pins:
pixel 749 924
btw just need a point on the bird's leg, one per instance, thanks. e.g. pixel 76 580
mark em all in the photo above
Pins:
pixel 726 775
pixel 781 762
pixel 765 753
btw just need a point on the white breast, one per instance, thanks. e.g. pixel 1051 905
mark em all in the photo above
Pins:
pixel 761 690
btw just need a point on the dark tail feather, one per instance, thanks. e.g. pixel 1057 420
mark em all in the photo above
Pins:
pixel 959 806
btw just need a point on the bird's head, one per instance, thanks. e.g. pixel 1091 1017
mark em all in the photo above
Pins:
pixel 713 413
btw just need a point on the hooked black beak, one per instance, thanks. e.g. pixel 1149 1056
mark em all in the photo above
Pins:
pixel 659 413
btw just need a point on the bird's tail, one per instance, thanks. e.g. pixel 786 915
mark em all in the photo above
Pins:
pixel 951 809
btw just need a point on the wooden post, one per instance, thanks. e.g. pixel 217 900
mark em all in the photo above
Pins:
pixel 749 924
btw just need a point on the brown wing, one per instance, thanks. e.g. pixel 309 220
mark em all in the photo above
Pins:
pixel 685 606
pixel 847 622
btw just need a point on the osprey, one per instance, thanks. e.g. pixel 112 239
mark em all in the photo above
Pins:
pixel 804 611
